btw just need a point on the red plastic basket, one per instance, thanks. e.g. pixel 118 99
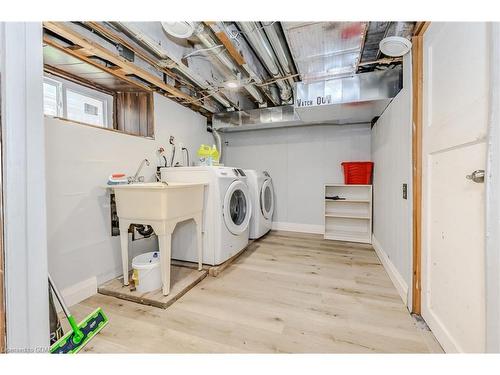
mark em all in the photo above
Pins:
pixel 357 172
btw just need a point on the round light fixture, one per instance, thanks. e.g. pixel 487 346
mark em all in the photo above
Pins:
pixel 395 46
pixel 179 29
pixel 232 84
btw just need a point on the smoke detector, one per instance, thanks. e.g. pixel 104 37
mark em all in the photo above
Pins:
pixel 181 30
pixel 395 46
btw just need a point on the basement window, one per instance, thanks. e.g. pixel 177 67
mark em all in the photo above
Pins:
pixel 128 112
pixel 71 101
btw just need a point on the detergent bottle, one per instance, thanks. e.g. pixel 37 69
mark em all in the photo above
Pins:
pixel 204 154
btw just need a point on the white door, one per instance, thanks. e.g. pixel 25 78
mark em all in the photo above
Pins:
pixel 455 99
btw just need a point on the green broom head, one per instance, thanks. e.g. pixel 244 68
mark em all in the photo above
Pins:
pixel 81 334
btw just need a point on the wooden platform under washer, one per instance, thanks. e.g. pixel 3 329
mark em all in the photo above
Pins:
pixel 182 280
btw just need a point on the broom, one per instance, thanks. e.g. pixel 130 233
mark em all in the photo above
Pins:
pixel 81 334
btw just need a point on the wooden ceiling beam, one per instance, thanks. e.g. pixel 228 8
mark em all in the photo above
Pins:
pixel 101 52
pixel 139 52
pixel 226 42
pixel 113 71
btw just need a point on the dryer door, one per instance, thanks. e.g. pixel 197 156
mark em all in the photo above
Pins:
pixel 267 199
pixel 237 208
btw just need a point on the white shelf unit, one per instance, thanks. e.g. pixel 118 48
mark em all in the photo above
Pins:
pixel 350 219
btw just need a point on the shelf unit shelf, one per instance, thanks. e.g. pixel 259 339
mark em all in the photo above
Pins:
pixel 348 200
pixel 350 219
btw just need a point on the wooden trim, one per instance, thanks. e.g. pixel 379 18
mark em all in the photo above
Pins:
pixel 90 48
pixel 74 122
pixel 3 329
pixel 420 28
pixel 417 83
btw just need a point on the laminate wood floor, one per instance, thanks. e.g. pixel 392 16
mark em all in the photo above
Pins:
pixel 289 292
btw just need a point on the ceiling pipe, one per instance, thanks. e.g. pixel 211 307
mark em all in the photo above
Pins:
pixel 270 92
pixel 277 42
pixel 208 41
pixel 154 48
pixel 254 34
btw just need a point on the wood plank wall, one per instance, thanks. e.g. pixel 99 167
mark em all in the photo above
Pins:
pixel 135 113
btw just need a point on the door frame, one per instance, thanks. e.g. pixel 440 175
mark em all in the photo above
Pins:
pixel 417 115
pixel 492 186
pixel 3 330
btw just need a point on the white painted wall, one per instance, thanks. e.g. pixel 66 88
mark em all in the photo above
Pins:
pixel 300 160
pixel 391 152
pixel 79 159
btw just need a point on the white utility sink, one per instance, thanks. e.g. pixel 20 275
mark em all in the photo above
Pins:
pixel 158 200
pixel 161 206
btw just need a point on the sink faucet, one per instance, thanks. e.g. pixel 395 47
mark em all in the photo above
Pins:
pixel 136 177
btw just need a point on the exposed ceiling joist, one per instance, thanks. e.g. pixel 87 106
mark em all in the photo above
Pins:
pixel 115 71
pixel 91 48
pixel 222 37
pixel 100 29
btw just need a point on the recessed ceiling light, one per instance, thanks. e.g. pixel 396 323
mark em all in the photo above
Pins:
pixel 179 29
pixel 395 46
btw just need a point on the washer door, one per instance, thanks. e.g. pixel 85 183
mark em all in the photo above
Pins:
pixel 237 209
pixel 267 199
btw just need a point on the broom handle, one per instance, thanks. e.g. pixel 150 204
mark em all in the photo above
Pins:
pixel 59 297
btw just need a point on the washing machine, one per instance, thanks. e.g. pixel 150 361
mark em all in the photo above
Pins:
pixel 226 215
pixel 260 185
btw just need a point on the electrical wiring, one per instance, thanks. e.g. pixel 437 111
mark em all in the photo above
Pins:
pixel 197 51
pixel 276 80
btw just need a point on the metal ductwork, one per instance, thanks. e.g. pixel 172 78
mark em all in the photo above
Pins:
pixel 152 47
pixel 349 100
pixel 255 36
pixel 208 41
pixel 343 101
pixel 273 33
pixel 403 29
pixel 271 91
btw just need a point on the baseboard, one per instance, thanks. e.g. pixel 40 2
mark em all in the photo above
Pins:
pixel 78 292
pixel 391 270
pixel 297 227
